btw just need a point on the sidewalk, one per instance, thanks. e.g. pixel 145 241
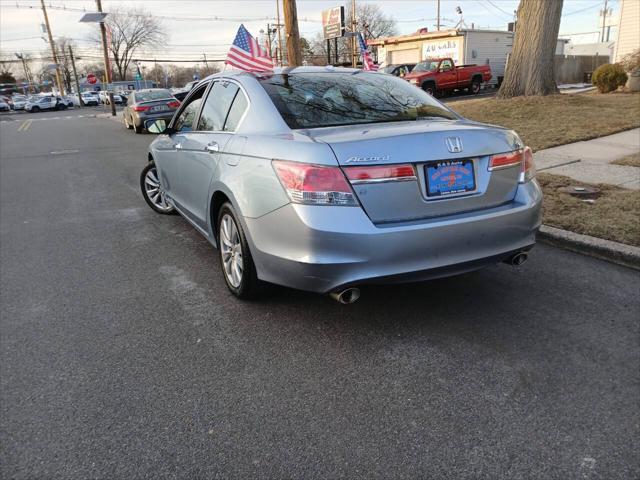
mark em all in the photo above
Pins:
pixel 590 161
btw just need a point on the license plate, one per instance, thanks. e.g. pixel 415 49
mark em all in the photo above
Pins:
pixel 159 108
pixel 449 177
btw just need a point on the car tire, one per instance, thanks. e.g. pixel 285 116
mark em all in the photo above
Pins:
pixel 152 190
pixel 35 109
pixel 430 88
pixel 475 87
pixel 236 262
pixel 137 129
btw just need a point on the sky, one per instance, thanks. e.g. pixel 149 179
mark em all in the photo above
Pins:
pixel 199 27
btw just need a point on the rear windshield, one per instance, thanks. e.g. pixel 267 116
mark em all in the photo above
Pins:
pixel 310 100
pixel 152 95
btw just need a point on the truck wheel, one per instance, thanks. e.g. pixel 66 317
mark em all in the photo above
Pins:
pixel 430 88
pixel 475 86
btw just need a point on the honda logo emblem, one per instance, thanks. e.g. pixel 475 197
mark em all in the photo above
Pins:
pixel 454 144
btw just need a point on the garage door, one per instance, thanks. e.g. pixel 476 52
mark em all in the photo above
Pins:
pixel 404 56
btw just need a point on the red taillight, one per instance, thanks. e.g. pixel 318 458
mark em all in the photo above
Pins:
pixel 314 184
pixel 380 173
pixel 505 160
pixel 528 167
pixel 141 108
pixel 174 104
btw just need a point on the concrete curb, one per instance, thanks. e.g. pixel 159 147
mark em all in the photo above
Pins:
pixel 614 252
pixel 108 115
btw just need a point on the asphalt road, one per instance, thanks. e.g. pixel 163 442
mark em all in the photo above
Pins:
pixel 123 356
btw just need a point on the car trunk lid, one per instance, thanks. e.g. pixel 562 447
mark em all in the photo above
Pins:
pixel 429 147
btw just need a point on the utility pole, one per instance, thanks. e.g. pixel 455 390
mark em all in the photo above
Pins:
pixel 354 23
pixel 27 74
pixel 294 53
pixel 279 30
pixel 604 20
pixel 269 40
pixel 53 49
pixel 75 75
pixel 105 51
pixel 438 15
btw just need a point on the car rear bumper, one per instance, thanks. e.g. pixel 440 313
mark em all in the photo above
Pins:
pixel 322 249
pixel 139 119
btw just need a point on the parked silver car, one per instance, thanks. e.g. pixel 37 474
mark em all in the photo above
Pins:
pixel 151 103
pixel 323 179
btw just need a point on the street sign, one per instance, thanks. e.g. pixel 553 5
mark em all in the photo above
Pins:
pixel 333 22
pixel 96 17
pixel 91 78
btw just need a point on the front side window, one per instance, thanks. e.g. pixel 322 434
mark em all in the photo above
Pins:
pixel 216 107
pixel 185 122
pixel 310 100
pixel 426 66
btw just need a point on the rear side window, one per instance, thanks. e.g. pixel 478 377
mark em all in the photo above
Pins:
pixel 236 112
pixel 217 106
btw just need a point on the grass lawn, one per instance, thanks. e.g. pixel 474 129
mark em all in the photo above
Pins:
pixel 629 161
pixel 615 215
pixel 544 122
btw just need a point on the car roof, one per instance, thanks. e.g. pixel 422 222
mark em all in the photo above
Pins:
pixel 149 90
pixel 285 71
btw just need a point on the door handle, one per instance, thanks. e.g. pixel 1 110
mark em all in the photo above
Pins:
pixel 212 147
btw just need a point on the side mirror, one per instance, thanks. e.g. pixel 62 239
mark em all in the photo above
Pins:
pixel 156 126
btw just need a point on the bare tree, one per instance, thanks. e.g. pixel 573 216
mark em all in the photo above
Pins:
pixel 372 22
pixel 130 31
pixel 530 69
pixel 97 68
pixel 64 60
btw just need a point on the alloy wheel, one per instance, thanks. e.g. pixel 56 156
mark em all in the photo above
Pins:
pixel 155 191
pixel 231 251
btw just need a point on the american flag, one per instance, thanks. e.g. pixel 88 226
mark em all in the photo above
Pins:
pixel 367 60
pixel 246 54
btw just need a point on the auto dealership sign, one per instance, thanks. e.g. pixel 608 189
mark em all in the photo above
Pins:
pixel 442 48
pixel 333 22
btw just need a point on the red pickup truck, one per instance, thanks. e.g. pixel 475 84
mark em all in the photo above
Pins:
pixel 439 75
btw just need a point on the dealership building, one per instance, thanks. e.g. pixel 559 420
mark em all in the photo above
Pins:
pixel 464 46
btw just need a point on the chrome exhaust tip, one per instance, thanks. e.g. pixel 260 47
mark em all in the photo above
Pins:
pixel 518 259
pixel 346 296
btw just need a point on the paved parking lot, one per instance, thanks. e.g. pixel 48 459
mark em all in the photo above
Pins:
pixel 124 356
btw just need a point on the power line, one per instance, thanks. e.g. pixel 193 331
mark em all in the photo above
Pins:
pixel 583 9
pixel 510 15
pixel 215 18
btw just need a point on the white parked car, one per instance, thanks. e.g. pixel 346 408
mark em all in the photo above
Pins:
pixel 104 98
pixel 90 98
pixel 68 101
pixel 4 106
pixel 19 102
pixel 36 104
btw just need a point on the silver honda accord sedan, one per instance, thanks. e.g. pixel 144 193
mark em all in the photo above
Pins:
pixel 324 179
